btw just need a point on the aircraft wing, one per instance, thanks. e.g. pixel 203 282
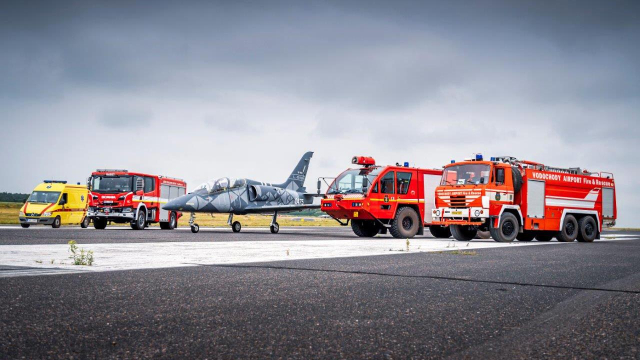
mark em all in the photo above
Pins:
pixel 280 208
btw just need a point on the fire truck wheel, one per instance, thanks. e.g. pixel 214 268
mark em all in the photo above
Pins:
pixel 526 236
pixel 588 229
pixel 195 228
pixel 406 223
pixel 100 224
pixel 440 232
pixel 463 232
pixel 544 236
pixel 56 222
pixel 507 229
pixel 364 228
pixel 85 223
pixel 274 228
pixel 25 226
pixel 236 226
pixel 569 230
pixel 140 221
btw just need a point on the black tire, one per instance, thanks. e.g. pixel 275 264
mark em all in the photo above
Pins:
pixel 173 220
pixel 406 223
pixel 507 229
pixel 195 228
pixel 517 180
pixel 85 223
pixel 275 228
pixel 527 235
pixel 25 226
pixel 483 234
pixel 544 236
pixel 440 232
pixel 236 226
pixel 569 230
pixel 588 229
pixel 56 222
pixel 100 224
pixel 365 228
pixel 164 225
pixel 463 232
pixel 140 222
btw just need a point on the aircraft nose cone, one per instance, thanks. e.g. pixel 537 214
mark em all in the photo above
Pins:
pixel 180 204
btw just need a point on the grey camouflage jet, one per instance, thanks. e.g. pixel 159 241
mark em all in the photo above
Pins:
pixel 245 196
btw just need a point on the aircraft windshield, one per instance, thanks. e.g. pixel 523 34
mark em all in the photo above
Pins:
pixel 47 197
pixel 112 184
pixel 468 174
pixel 352 181
pixel 222 184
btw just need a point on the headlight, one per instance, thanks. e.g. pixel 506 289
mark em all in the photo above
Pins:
pixel 477 213
pixel 437 212
pixel 127 210
pixel 46 214
pixel 21 213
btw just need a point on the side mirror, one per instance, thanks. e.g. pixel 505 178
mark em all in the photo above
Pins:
pixel 89 183
pixel 319 185
pixel 365 184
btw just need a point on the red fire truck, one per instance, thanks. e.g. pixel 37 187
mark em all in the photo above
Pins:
pixel 523 200
pixel 377 199
pixel 120 196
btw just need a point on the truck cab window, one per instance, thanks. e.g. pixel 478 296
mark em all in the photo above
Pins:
pixel 403 181
pixel 499 177
pixel 375 189
pixel 148 184
pixel 387 182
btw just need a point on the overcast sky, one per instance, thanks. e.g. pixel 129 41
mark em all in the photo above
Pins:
pixel 201 90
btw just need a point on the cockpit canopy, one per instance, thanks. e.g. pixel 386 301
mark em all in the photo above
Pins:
pixel 222 184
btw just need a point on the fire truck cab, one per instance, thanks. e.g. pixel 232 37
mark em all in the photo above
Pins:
pixel 523 200
pixel 377 199
pixel 120 196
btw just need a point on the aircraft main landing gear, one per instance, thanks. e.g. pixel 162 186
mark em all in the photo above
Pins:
pixel 235 225
pixel 274 227
pixel 194 227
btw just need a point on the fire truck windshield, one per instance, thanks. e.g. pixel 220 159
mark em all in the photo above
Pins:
pixel 47 197
pixel 468 174
pixel 352 181
pixel 112 184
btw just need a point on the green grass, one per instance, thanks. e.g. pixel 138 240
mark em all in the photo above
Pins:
pixel 9 213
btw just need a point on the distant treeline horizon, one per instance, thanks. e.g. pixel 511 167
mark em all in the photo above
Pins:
pixel 13 197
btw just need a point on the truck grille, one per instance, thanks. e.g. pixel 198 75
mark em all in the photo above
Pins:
pixel 458 201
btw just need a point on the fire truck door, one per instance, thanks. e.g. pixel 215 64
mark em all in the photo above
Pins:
pixel 388 194
pixel 165 196
pixel 430 183
pixel 535 199
pixel 607 202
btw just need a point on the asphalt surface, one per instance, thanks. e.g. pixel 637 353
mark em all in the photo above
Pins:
pixel 559 300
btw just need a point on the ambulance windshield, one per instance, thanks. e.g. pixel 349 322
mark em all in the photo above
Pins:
pixel 352 181
pixel 46 197
pixel 468 174
pixel 111 184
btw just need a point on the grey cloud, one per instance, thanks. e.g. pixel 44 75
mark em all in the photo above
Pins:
pixel 125 118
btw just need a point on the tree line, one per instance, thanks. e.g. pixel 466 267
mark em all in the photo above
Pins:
pixel 13 197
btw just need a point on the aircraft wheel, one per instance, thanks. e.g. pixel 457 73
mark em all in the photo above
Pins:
pixel 85 223
pixel 236 226
pixel 56 222
pixel 25 226
pixel 195 228
pixel 274 228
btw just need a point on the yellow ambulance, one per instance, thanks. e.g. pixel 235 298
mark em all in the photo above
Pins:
pixel 56 203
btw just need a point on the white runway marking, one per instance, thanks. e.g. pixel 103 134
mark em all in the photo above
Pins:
pixel 129 256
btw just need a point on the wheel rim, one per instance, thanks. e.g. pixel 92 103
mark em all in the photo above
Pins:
pixel 173 220
pixel 508 228
pixel 141 219
pixel 570 227
pixel 588 229
pixel 407 223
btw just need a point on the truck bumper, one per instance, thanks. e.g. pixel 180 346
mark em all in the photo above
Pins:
pixel 457 216
pixel 111 216
pixel 37 221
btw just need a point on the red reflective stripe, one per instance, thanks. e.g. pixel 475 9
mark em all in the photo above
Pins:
pixel 25 207
pixel 45 209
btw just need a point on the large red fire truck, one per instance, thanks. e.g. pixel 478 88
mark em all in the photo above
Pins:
pixel 523 200
pixel 120 196
pixel 377 199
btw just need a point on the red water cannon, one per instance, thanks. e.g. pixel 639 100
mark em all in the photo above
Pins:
pixel 363 160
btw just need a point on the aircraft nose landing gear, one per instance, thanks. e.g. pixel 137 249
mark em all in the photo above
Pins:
pixel 235 225
pixel 274 227
pixel 194 227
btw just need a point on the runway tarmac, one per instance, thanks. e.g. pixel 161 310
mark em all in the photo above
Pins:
pixel 217 294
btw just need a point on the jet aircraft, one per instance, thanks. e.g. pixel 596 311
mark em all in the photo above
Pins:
pixel 245 196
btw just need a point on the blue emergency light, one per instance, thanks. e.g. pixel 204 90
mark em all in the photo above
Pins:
pixel 452 161
pixel 478 157
pixel 493 158
pixel 406 164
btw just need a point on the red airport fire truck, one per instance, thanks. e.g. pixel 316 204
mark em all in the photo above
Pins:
pixel 377 199
pixel 516 199
pixel 120 196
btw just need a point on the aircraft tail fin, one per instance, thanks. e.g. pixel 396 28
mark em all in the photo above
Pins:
pixel 299 174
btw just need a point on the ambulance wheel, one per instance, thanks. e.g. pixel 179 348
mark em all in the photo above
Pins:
pixel 463 232
pixel 85 223
pixel 364 228
pixel 526 236
pixel 507 229
pixel 274 228
pixel 406 224
pixel 236 226
pixel 195 228
pixel 56 222
pixel 440 232
pixel 100 224
pixel 140 221
pixel 544 236
pixel 569 230
pixel 25 226
pixel 588 229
